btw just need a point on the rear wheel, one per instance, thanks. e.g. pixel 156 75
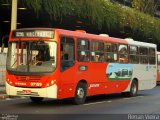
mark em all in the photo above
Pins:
pixel 36 99
pixel 133 90
pixel 80 93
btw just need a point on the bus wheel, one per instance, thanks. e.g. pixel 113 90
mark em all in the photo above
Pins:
pixel 80 93
pixel 133 90
pixel 36 99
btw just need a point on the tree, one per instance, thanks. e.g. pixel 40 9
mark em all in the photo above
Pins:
pixel 145 6
pixel 105 16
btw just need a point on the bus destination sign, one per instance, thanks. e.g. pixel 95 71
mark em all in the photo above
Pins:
pixel 33 34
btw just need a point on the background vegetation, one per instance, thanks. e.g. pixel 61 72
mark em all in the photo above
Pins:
pixel 136 22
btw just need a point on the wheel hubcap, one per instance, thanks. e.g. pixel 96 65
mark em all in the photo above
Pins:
pixel 134 89
pixel 80 93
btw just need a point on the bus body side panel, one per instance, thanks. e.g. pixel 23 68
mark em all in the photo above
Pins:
pixel 146 76
pixel 67 83
pixel 96 77
pixel 100 83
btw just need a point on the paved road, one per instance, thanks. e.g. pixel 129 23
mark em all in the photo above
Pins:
pixel 104 106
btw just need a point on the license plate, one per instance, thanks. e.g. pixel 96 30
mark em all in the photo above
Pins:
pixel 26 91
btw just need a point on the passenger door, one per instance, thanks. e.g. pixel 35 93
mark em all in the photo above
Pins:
pixel 68 68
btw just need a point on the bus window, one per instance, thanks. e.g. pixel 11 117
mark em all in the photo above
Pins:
pixel 67 53
pixel 143 55
pixel 133 57
pixel 111 52
pixel 97 51
pixel 40 52
pixel 152 59
pixel 19 54
pixel 32 56
pixel 83 50
pixel 123 53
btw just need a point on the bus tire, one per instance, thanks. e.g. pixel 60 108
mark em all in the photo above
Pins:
pixel 80 93
pixel 133 90
pixel 36 99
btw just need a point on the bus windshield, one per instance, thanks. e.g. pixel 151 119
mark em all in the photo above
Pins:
pixel 32 56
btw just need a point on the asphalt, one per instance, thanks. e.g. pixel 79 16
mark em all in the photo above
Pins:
pixel 145 106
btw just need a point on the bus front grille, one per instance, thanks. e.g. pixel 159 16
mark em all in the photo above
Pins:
pixel 28 78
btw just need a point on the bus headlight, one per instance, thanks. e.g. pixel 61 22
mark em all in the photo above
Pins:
pixel 10 82
pixel 52 82
pixel 47 84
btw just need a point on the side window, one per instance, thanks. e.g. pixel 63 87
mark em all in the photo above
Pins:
pixel 111 52
pixel 123 53
pixel 67 52
pixel 83 50
pixel 134 54
pixel 97 51
pixel 152 58
pixel 143 51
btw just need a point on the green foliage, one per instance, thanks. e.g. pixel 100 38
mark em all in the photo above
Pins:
pixel 92 11
pixel 112 20
pixel 102 14
pixel 145 6
pixel 35 4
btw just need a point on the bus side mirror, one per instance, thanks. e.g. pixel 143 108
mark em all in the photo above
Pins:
pixel 3 38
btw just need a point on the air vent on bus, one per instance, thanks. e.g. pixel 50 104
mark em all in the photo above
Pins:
pixel 28 78
pixel 129 39
pixel 105 35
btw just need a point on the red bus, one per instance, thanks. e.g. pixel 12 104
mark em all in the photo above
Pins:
pixel 158 67
pixel 56 63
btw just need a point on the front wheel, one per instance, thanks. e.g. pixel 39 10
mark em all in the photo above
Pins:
pixel 80 93
pixel 36 99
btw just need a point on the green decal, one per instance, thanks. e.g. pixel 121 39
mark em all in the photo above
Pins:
pixel 116 71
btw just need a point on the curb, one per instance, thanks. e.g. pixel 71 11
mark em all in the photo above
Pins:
pixel 3 96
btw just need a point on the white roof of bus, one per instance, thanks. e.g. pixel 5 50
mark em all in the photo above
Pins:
pixel 137 43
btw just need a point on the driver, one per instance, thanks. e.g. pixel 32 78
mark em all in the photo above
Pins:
pixel 39 58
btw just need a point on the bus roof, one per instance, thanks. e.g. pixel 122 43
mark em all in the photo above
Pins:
pixel 78 34
pixel 93 36
pixel 138 43
pixel 90 36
